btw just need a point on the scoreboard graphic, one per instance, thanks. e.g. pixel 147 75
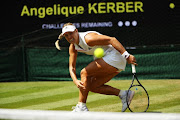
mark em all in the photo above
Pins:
pixel 134 23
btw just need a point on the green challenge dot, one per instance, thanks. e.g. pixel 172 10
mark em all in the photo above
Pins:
pixel 171 5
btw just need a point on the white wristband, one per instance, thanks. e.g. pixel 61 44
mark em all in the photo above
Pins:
pixel 125 54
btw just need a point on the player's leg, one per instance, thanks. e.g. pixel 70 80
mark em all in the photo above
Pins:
pixel 96 68
pixel 97 85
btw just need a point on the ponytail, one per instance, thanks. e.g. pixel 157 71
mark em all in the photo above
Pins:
pixel 57 45
pixel 57 41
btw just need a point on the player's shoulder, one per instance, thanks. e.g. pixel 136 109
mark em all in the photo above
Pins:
pixel 88 32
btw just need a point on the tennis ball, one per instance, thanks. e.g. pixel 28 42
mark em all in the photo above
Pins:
pixel 171 5
pixel 99 52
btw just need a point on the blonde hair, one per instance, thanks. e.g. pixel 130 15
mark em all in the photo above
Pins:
pixel 61 36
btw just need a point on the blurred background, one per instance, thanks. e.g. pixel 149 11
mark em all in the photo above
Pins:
pixel 150 30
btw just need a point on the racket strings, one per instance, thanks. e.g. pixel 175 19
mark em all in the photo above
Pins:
pixel 139 102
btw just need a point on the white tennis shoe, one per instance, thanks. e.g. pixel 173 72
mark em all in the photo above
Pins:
pixel 80 108
pixel 124 101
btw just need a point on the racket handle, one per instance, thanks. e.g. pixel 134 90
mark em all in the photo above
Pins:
pixel 133 68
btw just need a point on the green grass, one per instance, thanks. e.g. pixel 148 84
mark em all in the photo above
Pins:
pixel 164 96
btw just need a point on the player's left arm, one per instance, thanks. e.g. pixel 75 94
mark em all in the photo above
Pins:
pixel 93 39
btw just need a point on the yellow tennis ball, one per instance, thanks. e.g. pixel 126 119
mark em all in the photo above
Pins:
pixel 171 5
pixel 99 52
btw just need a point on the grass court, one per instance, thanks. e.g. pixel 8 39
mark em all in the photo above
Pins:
pixel 62 95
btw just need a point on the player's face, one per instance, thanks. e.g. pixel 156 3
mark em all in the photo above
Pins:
pixel 72 37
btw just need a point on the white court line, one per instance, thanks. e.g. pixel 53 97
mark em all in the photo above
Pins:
pixel 14 114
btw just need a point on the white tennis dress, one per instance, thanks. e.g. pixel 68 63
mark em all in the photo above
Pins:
pixel 111 56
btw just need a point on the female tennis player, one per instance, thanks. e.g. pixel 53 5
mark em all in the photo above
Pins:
pixel 100 71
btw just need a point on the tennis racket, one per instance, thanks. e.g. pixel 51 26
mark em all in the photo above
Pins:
pixel 140 101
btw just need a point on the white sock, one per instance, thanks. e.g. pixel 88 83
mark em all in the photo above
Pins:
pixel 121 93
pixel 81 104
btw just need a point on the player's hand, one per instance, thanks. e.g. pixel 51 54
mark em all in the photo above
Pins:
pixel 131 60
pixel 79 84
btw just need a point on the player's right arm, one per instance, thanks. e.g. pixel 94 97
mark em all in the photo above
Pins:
pixel 72 66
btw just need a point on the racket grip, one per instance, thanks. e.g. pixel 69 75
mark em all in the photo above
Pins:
pixel 133 68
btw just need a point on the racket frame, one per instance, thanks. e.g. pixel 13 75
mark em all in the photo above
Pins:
pixel 133 78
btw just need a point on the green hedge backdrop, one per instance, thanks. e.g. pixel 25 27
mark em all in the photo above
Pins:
pixel 49 64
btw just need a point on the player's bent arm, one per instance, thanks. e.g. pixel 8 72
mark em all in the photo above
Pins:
pixel 93 39
pixel 72 67
pixel 72 62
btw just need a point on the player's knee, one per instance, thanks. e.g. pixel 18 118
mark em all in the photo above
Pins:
pixel 89 81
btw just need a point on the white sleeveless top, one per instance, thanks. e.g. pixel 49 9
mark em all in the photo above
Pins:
pixel 111 55
pixel 84 48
